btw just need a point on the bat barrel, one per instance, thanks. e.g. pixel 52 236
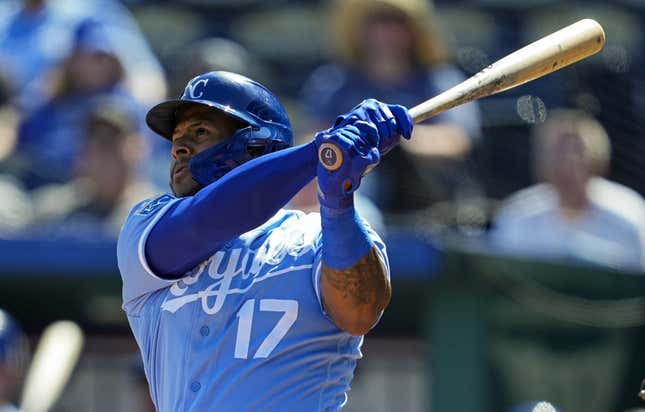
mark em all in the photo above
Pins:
pixel 551 53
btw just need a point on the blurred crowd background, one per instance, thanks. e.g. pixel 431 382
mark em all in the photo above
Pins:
pixel 549 173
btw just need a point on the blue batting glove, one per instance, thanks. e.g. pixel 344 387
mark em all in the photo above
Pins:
pixel 391 121
pixel 358 150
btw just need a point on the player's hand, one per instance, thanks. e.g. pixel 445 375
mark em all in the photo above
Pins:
pixel 391 121
pixel 357 145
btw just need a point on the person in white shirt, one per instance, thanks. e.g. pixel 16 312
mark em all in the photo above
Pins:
pixel 573 213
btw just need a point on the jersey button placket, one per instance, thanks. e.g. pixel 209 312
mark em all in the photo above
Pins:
pixel 195 386
pixel 204 331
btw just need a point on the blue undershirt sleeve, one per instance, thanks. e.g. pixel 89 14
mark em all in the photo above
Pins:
pixel 196 226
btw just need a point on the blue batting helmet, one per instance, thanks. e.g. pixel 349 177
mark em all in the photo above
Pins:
pixel 267 127
pixel 13 343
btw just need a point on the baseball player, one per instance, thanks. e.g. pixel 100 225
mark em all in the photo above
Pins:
pixel 237 304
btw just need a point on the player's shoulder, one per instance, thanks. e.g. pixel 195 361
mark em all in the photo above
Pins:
pixel 310 221
pixel 139 221
pixel 309 225
pixel 152 205
pixel 288 227
pixel 296 219
pixel 148 208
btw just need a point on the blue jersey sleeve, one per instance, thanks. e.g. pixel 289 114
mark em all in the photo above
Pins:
pixel 196 226
pixel 379 244
pixel 138 278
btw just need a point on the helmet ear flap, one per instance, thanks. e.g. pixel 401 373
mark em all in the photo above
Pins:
pixel 256 150
pixel 262 147
pixel 278 145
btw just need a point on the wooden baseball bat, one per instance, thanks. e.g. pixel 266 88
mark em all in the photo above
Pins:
pixel 56 355
pixel 551 53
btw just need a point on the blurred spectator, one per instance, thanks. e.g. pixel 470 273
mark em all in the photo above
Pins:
pixel 16 211
pixel 37 35
pixel 391 50
pixel 573 213
pixel 105 186
pixel 49 139
pixel 13 361
pixel 9 119
pixel 210 54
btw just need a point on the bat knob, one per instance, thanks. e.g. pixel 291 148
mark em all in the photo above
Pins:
pixel 330 156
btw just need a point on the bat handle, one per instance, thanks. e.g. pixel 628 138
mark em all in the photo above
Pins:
pixel 331 157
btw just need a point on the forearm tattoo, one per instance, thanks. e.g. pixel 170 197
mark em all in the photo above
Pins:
pixel 365 283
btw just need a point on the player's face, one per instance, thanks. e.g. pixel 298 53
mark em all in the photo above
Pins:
pixel 197 129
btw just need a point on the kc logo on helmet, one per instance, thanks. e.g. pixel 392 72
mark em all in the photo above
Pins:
pixel 196 86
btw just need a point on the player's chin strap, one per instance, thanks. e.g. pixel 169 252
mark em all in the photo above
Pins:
pixel 248 143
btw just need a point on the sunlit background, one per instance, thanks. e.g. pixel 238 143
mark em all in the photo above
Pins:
pixel 515 225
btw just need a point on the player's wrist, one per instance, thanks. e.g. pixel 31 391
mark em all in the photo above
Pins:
pixel 334 204
pixel 345 239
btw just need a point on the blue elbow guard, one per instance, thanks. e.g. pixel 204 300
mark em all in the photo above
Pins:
pixel 345 239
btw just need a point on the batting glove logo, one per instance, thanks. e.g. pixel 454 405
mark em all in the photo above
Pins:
pixel 330 156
